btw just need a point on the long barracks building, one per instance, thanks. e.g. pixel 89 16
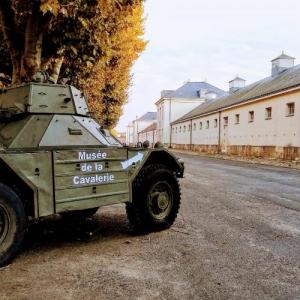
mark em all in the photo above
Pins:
pixel 261 119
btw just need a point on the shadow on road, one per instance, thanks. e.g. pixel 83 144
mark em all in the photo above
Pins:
pixel 56 232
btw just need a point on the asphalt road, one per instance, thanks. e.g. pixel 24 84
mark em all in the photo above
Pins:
pixel 235 238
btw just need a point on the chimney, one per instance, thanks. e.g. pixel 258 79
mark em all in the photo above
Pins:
pixel 206 94
pixel 236 84
pixel 202 93
pixel 282 63
pixel 210 96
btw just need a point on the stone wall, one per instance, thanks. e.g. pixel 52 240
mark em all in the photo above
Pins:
pixel 210 149
pixel 284 153
pixel 180 146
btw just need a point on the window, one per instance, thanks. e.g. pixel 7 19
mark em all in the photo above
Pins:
pixel 189 127
pixel 173 130
pixel 225 121
pixel 290 109
pixel 237 119
pixel 268 113
pixel 184 128
pixel 251 116
pixel 215 123
pixel 194 126
pixel 200 125
pixel 180 129
pixel 176 129
pixel 207 124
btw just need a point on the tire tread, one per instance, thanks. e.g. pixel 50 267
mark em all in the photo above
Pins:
pixel 11 199
pixel 136 214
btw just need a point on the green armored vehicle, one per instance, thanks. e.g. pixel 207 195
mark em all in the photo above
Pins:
pixel 56 159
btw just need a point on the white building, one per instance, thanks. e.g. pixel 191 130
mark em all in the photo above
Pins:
pixel 129 134
pixel 261 119
pixel 149 134
pixel 137 126
pixel 176 103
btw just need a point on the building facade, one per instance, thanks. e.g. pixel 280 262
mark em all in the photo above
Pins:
pixel 176 103
pixel 138 125
pixel 129 134
pixel 262 119
pixel 149 134
pixel 121 136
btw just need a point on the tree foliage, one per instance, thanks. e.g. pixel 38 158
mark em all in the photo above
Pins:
pixel 91 44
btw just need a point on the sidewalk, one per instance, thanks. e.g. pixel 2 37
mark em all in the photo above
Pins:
pixel 252 160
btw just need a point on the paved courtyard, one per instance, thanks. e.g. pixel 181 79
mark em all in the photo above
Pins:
pixel 235 238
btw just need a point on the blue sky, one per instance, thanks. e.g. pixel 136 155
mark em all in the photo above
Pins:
pixel 209 40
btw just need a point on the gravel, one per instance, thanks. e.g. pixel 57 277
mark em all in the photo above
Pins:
pixel 235 238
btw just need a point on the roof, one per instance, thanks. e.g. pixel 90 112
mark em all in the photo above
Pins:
pixel 237 78
pixel 151 127
pixel 191 90
pixel 167 93
pixel 265 87
pixel 283 56
pixel 149 116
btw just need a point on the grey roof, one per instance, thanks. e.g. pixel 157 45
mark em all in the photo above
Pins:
pixel 237 78
pixel 151 127
pixel 283 56
pixel 191 89
pixel 149 116
pixel 265 87
pixel 167 93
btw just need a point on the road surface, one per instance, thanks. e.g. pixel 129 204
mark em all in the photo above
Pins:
pixel 234 238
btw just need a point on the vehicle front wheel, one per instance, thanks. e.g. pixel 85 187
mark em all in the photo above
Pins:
pixel 12 224
pixel 156 199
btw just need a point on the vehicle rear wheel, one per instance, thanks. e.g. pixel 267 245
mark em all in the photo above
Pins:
pixel 156 199
pixel 79 214
pixel 12 224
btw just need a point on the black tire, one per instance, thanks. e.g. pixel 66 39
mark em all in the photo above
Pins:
pixel 79 214
pixel 156 199
pixel 13 223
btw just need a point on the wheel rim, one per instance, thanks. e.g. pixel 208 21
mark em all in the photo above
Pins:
pixel 4 223
pixel 160 200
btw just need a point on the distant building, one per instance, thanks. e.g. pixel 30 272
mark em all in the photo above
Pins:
pixel 129 134
pixel 261 119
pixel 121 136
pixel 149 134
pixel 137 126
pixel 173 104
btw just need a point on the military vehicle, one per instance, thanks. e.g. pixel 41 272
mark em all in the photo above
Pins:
pixel 56 159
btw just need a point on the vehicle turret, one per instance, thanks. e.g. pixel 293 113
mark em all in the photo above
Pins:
pixel 39 115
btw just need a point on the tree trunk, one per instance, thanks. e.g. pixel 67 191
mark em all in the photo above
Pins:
pixel 13 38
pixel 36 25
pixel 33 47
pixel 54 69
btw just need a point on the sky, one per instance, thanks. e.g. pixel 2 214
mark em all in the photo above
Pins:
pixel 209 41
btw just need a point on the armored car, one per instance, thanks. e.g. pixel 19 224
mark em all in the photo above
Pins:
pixel 56 159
